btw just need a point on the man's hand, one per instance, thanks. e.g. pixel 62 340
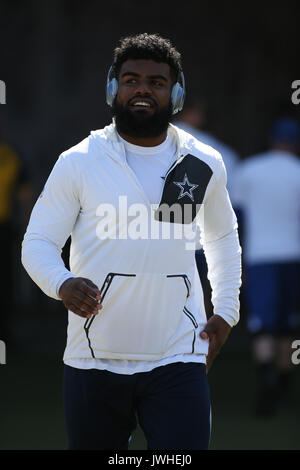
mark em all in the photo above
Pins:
pixel 217 331
pixel 81 296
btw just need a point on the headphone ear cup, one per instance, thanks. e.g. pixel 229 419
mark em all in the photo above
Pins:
pixel 177 97
pixel 111 89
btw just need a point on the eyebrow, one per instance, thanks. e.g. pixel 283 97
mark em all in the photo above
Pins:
pixel 134 74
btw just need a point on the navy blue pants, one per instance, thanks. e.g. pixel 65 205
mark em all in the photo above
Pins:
pixel 171 403
pixel 272 291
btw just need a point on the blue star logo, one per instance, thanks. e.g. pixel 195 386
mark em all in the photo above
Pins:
pixel 186 188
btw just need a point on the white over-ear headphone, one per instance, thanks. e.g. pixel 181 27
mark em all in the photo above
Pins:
pixel 177 95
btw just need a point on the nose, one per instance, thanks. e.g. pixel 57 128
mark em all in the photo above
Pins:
pixel 143 88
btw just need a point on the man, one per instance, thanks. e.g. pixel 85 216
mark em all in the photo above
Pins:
pixel 137 334
pixel 267 191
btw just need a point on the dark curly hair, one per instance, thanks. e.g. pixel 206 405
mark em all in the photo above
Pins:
pixel 147 46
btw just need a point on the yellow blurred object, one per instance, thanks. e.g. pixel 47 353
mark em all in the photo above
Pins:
pixel 9 172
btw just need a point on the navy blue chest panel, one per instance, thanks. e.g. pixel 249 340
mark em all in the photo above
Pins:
pixel 185 188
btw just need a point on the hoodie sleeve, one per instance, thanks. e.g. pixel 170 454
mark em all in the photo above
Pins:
pixel 51 223
pixel 220 241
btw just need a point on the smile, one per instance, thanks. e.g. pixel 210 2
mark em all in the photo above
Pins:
pixel 142 103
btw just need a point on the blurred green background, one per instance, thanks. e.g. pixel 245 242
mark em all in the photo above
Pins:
pixel 54 59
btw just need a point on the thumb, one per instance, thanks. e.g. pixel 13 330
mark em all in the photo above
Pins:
pixel 204 334
pixel 207 331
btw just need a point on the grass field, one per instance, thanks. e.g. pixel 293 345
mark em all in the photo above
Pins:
pixel 31 413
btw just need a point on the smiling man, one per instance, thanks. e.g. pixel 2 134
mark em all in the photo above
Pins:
pixel 139 343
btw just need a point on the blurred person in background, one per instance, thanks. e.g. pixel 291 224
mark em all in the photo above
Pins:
pixel 16 193
pixel 267 192
pixel 193 119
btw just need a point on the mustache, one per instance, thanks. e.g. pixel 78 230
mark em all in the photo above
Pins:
pixel 138 97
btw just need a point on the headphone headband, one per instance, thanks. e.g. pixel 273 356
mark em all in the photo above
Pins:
pixel 177 94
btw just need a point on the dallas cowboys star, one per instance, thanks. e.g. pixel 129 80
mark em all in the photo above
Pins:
pixel 186 188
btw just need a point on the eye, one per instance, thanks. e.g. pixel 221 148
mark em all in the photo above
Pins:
pixel 157 83
pixel 131 80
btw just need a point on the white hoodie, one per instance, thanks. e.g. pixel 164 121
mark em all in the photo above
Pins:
pixel 152 297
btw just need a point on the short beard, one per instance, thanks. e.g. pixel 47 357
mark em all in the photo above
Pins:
pixel 141 125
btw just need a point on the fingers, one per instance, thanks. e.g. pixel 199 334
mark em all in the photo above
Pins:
pixel 86 310
pixel 214 345
pixel 212 352
pixel 86 301
pixel 89 288
pixel 206 335
pixel 90 283
pixel 216 332
pixel 84 304
pixel 73 308
pixel 82 297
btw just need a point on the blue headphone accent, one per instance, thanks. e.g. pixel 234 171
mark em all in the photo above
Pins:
pixel 111 87
pixel 177 95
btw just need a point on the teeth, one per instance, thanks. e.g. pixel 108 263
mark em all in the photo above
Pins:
pixel 141 103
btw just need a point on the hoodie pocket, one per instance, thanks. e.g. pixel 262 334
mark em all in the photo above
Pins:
pixel 193 325
pixel 104 289
pixel 188 287
pixel 140 315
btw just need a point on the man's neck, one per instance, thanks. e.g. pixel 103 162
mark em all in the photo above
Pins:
pixel 145 141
